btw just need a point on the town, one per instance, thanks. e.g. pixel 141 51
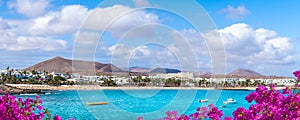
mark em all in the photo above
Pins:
pixel 183 79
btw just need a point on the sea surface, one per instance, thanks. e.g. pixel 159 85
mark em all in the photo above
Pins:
pixel 130 104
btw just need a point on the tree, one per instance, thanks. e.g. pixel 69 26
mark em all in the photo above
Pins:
pixel 109 83
pixel 58 79
pixel 147 80
pixel 33 72
pixel 255 83
pixel 226 84
pixel 243 83
pixel 234 83
pixel 172 82
pixel 248 82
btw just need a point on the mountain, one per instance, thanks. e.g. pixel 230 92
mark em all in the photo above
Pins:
pixel 164 70
pixel 139 70
pixel 245 72
pixel 202 73
pixel 62 65
pixel 156 70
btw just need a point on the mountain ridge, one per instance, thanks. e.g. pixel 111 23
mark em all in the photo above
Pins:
pixel 63 65
pixel 245 72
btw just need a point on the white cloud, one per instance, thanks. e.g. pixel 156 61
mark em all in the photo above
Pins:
pixel 141 51
pixel 120 50
pixel 65 21
pixel 252 48
pixel 126 52
pixel 142 56
pixel 259 45
pixel 87 38
pixel 69 19
pixel 245 47
pixel 117 19
pixel 3 24
pixel 196 40
pixel 30 8
pixel 234 13
pixel 12 42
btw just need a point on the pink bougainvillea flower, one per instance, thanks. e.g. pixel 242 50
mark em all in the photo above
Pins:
pixel 56 117
pixel 17 109
pixel 297 74
pixel 140 118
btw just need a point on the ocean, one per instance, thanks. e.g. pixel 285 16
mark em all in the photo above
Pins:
pixel 130 104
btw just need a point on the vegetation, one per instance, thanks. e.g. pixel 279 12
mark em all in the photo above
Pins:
pixel 172 82
pixel 44 78
pixel 139 81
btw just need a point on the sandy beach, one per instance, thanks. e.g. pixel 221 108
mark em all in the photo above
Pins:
pixel 97 87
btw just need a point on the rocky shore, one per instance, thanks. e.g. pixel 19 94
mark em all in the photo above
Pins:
pixel 15 90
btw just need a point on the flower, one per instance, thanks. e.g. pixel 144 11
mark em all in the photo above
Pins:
pixel 40 107
pixel 140 118
pixel 227 118
pixel 56 117
pixel 250 97
pixel 240 114
pixel 19 109
pixel 297 74
pixel 286 90
pixel 184 117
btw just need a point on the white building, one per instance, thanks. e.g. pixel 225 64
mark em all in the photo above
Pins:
pixel 181 75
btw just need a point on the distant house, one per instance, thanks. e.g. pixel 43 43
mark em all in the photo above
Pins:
pixel 3 72
pixel 59 74
pixel 182 75
pixel 276 80
pixel 75 75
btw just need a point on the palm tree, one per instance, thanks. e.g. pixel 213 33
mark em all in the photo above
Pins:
pixel 255 83
pixel 248 82
pixel 226 84
pixel 234 83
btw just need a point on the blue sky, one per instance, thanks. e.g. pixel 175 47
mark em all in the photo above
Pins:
pixel 257 35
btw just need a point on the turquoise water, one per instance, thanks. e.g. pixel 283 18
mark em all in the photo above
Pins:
pixel 130 104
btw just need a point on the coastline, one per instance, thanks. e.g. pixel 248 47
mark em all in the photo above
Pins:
pixel 97 87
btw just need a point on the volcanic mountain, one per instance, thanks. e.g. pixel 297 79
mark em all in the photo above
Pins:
pixel 139 70
pixel 156 70
pixel 164 70
pixel 245 72
pixel 202 73
pixel 62 65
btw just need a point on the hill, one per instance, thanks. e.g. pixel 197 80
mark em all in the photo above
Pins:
pixel 164 70
pixel 139 70
pixel 156 70
pixel 245 72
pixel 202 73
pixel 62 65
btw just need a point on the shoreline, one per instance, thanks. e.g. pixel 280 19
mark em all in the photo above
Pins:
pixel 97 87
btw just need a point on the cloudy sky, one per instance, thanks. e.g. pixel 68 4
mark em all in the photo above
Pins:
pixel 256 35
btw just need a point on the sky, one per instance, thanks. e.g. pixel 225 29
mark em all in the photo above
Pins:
pixel 190 35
